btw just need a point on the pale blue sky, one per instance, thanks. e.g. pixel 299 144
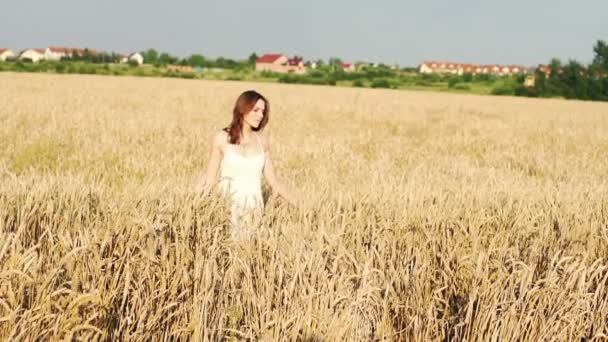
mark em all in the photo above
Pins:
pixel 389 31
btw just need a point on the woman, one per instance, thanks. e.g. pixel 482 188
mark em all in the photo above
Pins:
pixel 241 154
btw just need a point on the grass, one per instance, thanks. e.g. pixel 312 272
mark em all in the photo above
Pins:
pixel 428 216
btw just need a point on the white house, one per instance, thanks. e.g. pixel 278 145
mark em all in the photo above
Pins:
pixel 427 67
pixel 35 55
pixel 135 56
pixel 6 53
pixel 55 53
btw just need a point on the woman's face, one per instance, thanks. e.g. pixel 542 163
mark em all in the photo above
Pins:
pixel 255 116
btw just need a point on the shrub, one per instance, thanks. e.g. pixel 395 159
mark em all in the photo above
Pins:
pixel 316 74
pixel 288 78
pixel 521 90
pixel 504 89
pixel 86 69
pixel 380 83
pixel 453 81
pixel 431 78
pixel 188 75
pixel 60 67
pixel 461 86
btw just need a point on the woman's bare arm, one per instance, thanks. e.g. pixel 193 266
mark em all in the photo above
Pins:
pixel 273 180
pixel 205 181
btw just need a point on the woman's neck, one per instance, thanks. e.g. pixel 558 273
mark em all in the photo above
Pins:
pixel 247 133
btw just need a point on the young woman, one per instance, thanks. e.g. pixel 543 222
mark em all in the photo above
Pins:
pixel 241 154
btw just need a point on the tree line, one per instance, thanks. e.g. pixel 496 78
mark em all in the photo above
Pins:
pixel 573 80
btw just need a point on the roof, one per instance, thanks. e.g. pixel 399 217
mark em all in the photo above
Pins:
pixel 69 51
pixel 40 51
pixel 294 61
pixel 269 58
pixel 2 50
pixel 468 66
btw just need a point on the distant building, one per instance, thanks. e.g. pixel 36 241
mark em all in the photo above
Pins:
pixel 296 65
pixel 348 67
pixel 6 54
pixel 34 55
pixel 432 67
pixel 271 62
pixel 544 69
pixel 135 56
pixel 55 53
pixel 280 63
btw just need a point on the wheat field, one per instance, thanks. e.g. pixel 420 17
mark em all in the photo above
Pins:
pixel 427 216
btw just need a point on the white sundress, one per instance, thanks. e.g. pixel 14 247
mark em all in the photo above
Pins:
pixel 241 180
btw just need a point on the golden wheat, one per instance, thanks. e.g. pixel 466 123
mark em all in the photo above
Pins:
pixel 428 216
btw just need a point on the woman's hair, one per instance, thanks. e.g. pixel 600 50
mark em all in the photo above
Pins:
pixel 244 104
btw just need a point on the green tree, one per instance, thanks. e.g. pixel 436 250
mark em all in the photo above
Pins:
pixel 196 60
pixel 87 55
pixel 600 59
pixel 252 58
pixel 556 67
pixel 150 56
pixel 335 62
pixel 575 81
pixel 166 58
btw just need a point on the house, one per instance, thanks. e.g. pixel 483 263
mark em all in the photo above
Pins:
pixel 34 55
pixel 280 63
pixel 296 65
pixel 135 56
pixel 6 54
pixel 271 62
pixel 468 69
pixel 429 67
pixel 544 69
pixel 56 53
pixel 529 81
pixel 348 67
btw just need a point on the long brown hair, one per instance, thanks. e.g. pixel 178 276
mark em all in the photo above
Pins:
pixel 244 104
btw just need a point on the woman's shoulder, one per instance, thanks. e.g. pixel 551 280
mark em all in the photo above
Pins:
pixel 219 138
pixel 264 139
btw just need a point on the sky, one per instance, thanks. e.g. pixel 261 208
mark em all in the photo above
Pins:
pixel 403 32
